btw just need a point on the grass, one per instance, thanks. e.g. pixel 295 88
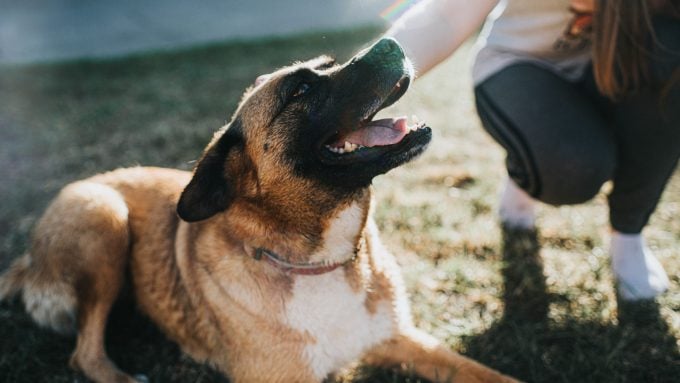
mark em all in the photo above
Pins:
pixel 540 306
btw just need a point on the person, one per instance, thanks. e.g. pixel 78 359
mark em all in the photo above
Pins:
pixel 577 93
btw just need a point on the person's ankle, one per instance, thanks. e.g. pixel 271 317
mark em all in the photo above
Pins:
pixel 637 271
pixel 516 208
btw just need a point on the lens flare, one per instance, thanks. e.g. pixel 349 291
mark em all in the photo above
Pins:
pixel 395 10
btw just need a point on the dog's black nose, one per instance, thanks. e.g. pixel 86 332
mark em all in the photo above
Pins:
pixel 386 52
pixel 387 46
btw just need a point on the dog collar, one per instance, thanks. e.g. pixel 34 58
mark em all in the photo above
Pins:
pixel 313 268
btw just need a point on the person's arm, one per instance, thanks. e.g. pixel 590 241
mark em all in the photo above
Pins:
pixel 433 29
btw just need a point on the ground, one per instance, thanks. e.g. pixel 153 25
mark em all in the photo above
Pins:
pixel 540 306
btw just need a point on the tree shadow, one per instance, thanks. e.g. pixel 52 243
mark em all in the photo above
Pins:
pixel 528 344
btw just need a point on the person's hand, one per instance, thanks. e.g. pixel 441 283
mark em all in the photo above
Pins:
pixel 583 6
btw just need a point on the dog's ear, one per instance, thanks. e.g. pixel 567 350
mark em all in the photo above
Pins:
pixel 319 63
pixel 211 190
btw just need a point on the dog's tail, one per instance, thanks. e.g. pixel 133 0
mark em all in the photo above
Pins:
pixel 12 280
pixel 52 304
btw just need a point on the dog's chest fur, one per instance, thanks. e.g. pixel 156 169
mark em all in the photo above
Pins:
pixel 336 317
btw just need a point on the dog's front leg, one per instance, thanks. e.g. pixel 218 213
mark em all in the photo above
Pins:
pixel 417 351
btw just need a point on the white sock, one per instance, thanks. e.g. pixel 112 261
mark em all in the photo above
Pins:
pixel 639 273
pixel 517 207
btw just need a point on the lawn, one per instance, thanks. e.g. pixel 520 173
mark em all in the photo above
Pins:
pixel 537 305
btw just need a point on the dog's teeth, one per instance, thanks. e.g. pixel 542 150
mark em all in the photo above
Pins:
pixel 350 147
pixel 415 119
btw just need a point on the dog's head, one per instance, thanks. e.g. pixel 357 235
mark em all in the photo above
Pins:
pixel 308 130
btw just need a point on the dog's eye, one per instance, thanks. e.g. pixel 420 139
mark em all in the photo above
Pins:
pixel 301 89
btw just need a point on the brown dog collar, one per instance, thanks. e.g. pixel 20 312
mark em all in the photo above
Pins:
pixel 314 268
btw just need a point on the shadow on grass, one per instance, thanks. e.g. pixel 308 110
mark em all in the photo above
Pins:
pixel 528 344
pixel 524 343
pixel 132 341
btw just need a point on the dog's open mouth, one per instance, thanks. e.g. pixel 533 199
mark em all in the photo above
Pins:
pixel 370 139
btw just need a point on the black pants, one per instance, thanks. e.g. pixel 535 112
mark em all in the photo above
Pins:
pixel 564 139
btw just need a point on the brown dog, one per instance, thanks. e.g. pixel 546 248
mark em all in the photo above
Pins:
pixel 275 272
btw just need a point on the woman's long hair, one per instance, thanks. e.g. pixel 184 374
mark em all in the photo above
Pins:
pixel 623 40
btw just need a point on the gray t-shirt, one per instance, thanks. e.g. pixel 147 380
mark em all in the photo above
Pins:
pixel 545 32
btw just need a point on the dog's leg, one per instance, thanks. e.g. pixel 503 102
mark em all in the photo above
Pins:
pixel 100 290
pixel 102 286
pixel 416 351
pixel 90 356
pixel 81 249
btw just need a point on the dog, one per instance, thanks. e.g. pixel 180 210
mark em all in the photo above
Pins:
pixel 265 261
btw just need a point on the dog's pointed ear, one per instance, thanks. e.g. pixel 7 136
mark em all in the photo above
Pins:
pixel 211 190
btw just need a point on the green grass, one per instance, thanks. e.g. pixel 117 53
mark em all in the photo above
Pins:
pixel 540 306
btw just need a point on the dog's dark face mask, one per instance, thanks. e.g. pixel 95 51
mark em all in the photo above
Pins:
pixel 337 142
pixel 313 122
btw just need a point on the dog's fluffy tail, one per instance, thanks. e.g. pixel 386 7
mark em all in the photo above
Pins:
pixel 52 304
pixel 12 281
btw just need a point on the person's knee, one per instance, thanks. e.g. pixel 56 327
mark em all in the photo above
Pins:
pixel 573 180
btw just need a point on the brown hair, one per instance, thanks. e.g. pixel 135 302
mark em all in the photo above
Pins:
pixel 622 43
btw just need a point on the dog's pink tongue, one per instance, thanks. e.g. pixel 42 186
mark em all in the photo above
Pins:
pixel 387 131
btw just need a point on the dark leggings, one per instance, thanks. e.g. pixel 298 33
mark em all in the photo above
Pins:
pixel 564 139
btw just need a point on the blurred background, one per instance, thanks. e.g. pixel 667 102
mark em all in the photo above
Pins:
pixel 49 30
pixel 89 86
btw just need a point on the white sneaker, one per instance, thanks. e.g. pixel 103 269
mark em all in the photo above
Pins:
pixel 639 274
pixel 516 207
